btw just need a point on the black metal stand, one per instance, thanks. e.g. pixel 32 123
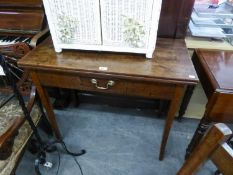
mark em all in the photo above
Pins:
pixel 43 147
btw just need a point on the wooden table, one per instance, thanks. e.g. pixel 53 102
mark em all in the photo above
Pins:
pixel 215 71
pixel 165 76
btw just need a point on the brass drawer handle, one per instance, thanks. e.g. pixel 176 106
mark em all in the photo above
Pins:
pixel 95 82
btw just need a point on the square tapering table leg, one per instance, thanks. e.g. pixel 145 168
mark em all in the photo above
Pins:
pixel 46 103
pixel 174 104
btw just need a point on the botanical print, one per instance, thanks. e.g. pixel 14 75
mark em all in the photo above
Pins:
pixel 134 32
pixel 67 28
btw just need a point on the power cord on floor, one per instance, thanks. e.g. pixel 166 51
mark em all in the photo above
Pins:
pixel 73 155
pixel 80 168
pixel 76 161
pixel 59 161
pixel 41 156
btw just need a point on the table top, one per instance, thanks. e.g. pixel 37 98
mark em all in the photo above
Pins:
pixel 219 67
pixel 171 62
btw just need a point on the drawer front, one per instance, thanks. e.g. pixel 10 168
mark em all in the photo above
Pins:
pixel 151 90
pixel 129 88
pixel 221 108
pixel 61 80
pixel 108 85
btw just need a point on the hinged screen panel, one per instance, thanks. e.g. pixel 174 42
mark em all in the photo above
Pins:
pixel 126 23
pixel 74 21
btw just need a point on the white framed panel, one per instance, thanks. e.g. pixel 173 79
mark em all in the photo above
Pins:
pixel 74 21
pixel 153 28
pixel 126 22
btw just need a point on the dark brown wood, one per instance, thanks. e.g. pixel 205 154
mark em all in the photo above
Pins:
pixel 223 159
pixel 215 70
pixel 122 87
pixel 211 147
pixel 17 50
pixel 219 65
pixel 20 3
pixel 39 37
pixel 185 11
pixel 170 64
pixel 21 20
pixel 22 16
pixel 165 76
pixel 187 96
pixel 174 18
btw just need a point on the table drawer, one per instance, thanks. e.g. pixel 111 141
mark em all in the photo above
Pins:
pixel 129 88
pixel 108 85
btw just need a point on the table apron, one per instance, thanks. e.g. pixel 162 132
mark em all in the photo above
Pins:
pixel 120 86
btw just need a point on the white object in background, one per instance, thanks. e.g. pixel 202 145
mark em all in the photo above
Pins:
pixel 1 71
pixel 104 25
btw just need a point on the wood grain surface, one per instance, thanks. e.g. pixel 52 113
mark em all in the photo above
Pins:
pixel 170 62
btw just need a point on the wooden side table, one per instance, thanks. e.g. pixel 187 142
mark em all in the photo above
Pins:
pixel 215 71
pixel 165 76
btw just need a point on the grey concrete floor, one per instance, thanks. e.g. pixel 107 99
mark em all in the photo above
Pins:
pixel 119 141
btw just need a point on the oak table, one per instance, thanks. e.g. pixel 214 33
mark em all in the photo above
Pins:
pixel 165 76
pixel 215 71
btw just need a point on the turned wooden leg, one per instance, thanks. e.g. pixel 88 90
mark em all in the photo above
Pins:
pixel 170 117
pixel 199 133
pixel 185 101
pixel 46 103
